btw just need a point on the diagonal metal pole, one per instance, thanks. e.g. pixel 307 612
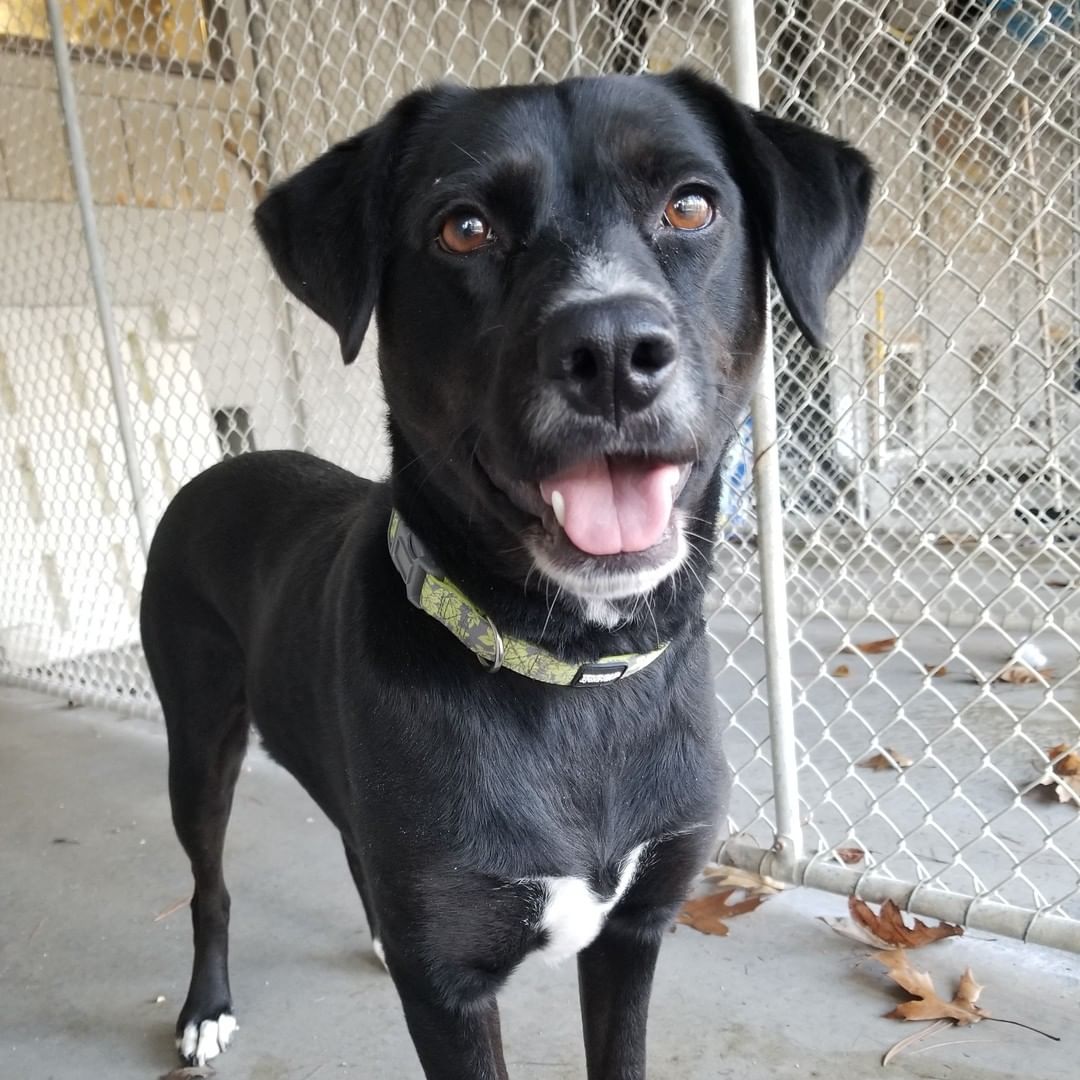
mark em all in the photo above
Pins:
pixel 80 175
pixel 788 846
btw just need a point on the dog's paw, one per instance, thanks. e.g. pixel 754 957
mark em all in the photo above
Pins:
pixel 201 1041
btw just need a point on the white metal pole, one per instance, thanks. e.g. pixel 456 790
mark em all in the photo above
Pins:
pixel 572 31
pixel 1045 334
pixel 80 175
pixel 788 847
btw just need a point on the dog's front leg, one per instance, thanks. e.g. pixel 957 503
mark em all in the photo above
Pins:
pixel 615 979
pixel 456 1034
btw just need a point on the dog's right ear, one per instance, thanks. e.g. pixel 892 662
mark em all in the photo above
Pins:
pixel 325 228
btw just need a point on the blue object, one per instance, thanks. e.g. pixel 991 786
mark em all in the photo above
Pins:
pixel 738 476
pixel 1023 26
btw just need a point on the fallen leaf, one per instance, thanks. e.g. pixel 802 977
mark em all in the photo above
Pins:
pixel 847 928
pixel 1022 675
pixel 1057 789
pixel 956 540
pixel 936 671
pixel 889 925
pixel 173 908
pixel 882 645
pixel 888 930
pixel 841 671
pixel 916 1036
pixel 706 914
pixel 927 1005
pixel 1063 776
pixel 189 1072
pixel 887 759
pixel 1068 763
pixel 720 875
pixel 1058 583
pixel 849 855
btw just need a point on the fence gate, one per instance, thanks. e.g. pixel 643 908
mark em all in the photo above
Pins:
pixel 921 497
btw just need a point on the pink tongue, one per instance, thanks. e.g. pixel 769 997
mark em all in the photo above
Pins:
pixel 614 506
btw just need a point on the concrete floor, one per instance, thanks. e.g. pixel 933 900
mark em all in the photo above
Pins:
pixel 88 859
pixel 956 817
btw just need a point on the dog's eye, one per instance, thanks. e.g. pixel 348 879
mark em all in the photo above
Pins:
pixel 464 232
pixel 689 211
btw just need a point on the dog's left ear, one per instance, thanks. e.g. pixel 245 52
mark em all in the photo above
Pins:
pixel 325 228
pixel 808 193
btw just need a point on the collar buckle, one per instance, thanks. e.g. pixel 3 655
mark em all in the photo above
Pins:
pixel 411 559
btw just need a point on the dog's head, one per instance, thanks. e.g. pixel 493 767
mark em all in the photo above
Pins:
pixel 570 287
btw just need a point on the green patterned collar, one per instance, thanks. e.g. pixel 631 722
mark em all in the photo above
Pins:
pixel 430 591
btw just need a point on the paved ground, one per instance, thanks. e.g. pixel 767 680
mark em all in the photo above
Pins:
pixel 87 859
pixel 960 816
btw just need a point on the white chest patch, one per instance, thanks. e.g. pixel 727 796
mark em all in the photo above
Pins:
pixel 573 914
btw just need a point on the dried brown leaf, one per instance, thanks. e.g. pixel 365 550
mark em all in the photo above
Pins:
pixel 889 926
pixel 882 645
pixel 841 671
pixel 706 914
pixel 951 539
pixel 1063 777
pixel 849 855
pixel 173 908
pixel 916 1036
pixel 853 930
pixel 889 759
pixel 1059 583
pixel 926 1004
pixel 1063 789
pixel 1022 675
pixel 1068 761
pixel 720 875
pixel 936 671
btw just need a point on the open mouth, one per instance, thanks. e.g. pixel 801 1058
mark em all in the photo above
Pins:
pixel 610 526
pixel 613 505
pixel 607 528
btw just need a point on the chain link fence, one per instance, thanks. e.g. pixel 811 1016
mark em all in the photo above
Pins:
pixel 929 461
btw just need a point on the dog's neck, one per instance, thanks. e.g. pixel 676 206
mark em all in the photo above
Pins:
pixel 471 551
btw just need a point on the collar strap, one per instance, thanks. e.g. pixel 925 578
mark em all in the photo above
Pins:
pixel 429 590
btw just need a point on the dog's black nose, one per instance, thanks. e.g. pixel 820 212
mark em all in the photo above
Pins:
pixel 609 357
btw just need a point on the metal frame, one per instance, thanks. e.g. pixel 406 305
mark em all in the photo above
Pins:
pixel 783 839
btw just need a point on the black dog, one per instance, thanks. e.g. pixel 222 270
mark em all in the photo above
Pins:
pixel 491 671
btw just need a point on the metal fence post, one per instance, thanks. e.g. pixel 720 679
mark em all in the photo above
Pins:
pixel 80 175
pixel 787 849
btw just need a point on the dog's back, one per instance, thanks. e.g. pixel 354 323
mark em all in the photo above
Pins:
pixel 234 533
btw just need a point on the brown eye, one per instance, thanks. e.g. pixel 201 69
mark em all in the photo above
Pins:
pixel 689 210
pixel 465 232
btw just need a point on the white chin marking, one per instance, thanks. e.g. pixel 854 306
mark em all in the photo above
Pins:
pixel 380 952
pixel 573 914
pixel 601 612
pixel 201 1042
pixel 597 584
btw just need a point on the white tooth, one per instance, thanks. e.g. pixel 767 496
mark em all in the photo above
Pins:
pixel 558 504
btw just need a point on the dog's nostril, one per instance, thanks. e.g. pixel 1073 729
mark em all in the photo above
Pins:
pixel 651 355
pixel 583 364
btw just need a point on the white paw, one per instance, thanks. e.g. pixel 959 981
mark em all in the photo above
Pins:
pixel 379 951
pixel 201 1042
